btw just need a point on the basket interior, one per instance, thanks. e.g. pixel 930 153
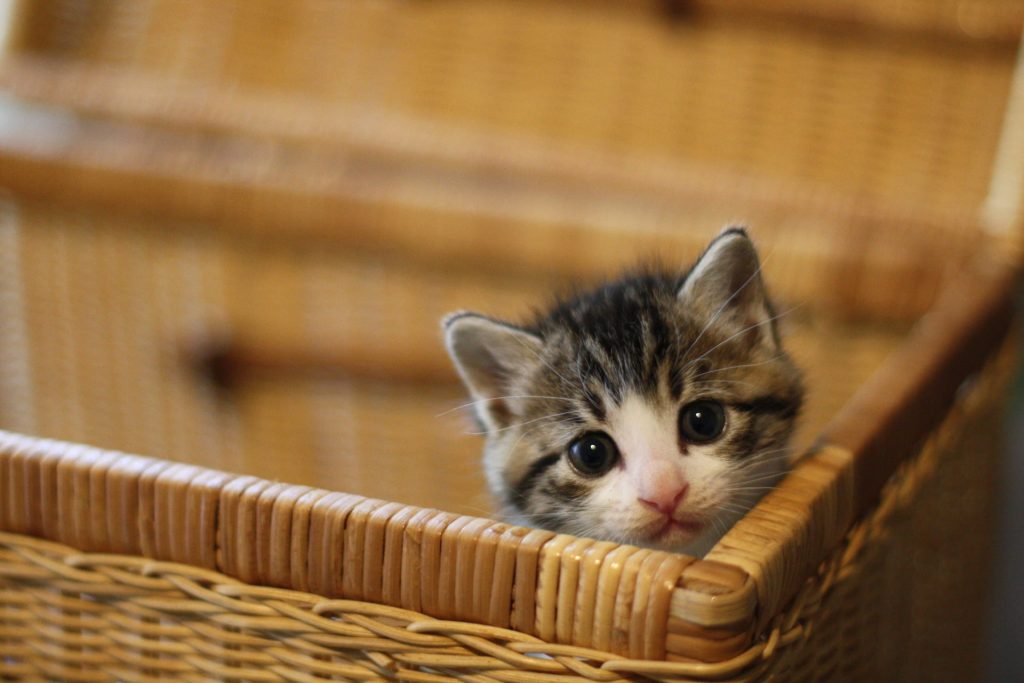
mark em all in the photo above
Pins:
pixel 235 251
pixel 118 316
pixel 229 231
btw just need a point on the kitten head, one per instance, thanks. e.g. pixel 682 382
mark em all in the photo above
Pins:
pixel 654 410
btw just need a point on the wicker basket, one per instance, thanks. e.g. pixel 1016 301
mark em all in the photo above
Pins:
pixel 202 273
pixel 164 569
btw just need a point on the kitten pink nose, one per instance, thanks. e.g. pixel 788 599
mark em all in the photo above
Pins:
pixel 666 500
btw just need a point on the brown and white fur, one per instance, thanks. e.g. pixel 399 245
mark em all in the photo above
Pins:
pixel 644 369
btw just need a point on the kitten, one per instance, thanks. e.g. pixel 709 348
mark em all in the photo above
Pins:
pixel 654 410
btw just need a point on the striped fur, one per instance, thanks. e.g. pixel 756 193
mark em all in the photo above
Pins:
pixel 624 359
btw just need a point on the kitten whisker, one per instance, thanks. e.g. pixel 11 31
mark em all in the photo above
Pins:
pixel 721 309
pixel 761 457
pixel 740 489
pixel 501 398
pixel 526 432
pixel 520 424
pixel 719 525
pixel 744 474
pixel 543 362
pixel 734 508
pixel 753 464
pixel 768 459
pixel 737 367
pixel 731 506
pixel 765 477
pixel 743 331
pixel 712 382
pixel 579 375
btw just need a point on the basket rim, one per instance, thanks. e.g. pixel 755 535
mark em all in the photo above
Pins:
pixel 786 536
pixel 754 571
pixel 328 543
pixel 686 609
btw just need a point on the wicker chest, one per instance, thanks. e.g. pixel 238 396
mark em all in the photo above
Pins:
pixel 230 230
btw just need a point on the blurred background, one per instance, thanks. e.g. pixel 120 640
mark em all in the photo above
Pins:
pixel 228 229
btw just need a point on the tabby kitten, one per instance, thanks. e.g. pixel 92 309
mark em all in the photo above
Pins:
pixel 654 410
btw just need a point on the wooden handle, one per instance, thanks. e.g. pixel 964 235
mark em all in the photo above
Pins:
pixel 228 362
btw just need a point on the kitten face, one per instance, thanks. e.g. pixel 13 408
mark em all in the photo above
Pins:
pixel 654 410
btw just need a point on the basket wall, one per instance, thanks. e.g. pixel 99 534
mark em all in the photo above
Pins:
pixel 896 104
pixel 879 609
pixel 114 329
pixel 250 278
pixel 910 597
pixel 452 178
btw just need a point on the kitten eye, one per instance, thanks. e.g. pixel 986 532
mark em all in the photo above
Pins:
pixel 702 421
pixel 593 454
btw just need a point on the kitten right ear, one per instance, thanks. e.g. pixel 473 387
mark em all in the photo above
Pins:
pixel 725 286
pixel 490 357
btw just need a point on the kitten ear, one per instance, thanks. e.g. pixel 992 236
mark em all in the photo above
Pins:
pixel 725 285
pixel 490 357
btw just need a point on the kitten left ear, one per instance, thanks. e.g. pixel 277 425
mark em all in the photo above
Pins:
pixel 725 285
pixel 491 357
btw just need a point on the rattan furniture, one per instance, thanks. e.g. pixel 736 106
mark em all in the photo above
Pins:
pixel 221 249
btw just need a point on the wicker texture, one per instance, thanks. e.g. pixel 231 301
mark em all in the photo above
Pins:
pixel 100 616
pixel 343 545
pixel 891 414
pixel 874 114
pixel 170 283
pixel 886 615
pixel 206 273
pixel 113 314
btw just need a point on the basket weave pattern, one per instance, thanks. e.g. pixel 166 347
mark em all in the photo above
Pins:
pixel 405 159
pixel 891 116
pixel 98 616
